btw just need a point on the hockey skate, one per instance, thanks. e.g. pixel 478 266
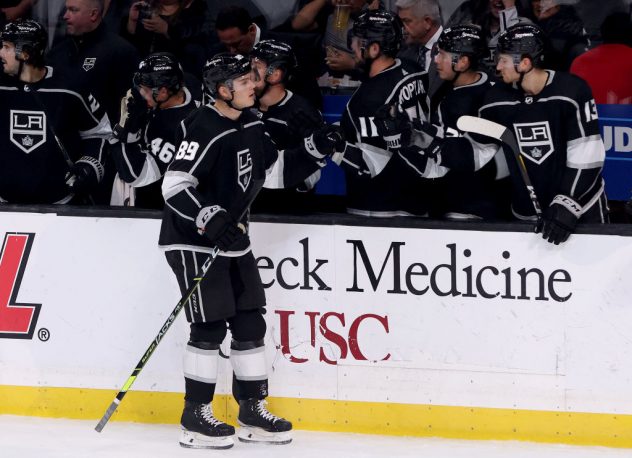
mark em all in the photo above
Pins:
pixel 200 428
pixel 259 425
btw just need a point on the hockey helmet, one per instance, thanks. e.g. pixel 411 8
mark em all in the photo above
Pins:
pixel 381 27
pixel 463 40
pixel 158 70
pixel 276 54
pixel 223 68
pixel 523 40
pixel 28 36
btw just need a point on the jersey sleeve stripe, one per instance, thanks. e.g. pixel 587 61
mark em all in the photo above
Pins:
pixel 175 182
pixel 584 153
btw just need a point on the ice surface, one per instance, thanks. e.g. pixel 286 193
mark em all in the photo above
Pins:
pixel 29 437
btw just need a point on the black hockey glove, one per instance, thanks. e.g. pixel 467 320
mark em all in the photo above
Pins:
pixel 84 175
pixel 325 141
pixel 393 126
pixel 218 226
pixel 417 158
pixel 560 219
pixel 134 114
pixel 303 123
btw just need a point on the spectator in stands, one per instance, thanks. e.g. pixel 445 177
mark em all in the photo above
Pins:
pixel 312 16
pixel 340 58
pixel 236 30
pixel 593 13
pixel 422 27
pixel 493 16
pixel 181 27
pixel 14 9
pixel 100 62
pixel 238 34
pixel 565 30
pixel 608 68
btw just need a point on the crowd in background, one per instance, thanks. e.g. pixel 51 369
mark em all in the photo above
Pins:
pixel 101 42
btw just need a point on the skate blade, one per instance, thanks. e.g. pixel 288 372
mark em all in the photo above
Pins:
pixel 253 435
pixel 190 439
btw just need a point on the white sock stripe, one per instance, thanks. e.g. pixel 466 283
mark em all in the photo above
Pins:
pixel 249 364
pixel 200 365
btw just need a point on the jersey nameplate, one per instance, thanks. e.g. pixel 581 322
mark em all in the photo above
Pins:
pixel 28 129
pixel 535 140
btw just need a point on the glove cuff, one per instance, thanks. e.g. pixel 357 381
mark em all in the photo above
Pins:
pixel 393 142
pixel 205 215
pixel 310 147
pixel 99 171
pixel 569 204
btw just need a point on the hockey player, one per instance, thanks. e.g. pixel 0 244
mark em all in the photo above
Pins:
pixel 554 118
pixel 224 158
pixel 375 185
pixel 150 118
pixel 53 137
pixel 280 108
pixel 467 195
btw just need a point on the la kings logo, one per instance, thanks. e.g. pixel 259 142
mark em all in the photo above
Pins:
pixel 244 168
pixel 535 140
pixel 88 63
pixel 28 129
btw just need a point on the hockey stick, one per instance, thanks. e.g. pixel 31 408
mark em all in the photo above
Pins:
pixel 499 132
pixel 163 330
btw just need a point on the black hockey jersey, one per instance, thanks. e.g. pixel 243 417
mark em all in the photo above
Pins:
pixel 223 162
pixel 276 119
pixel 143 159
pixel 384 191
pixel 45 128
pixel 558 135
pixel 463 193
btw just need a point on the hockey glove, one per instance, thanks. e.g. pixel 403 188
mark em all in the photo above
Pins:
pixel 84 175
pixel 218 226
pixel 393 126
pixel 303 123
pixel 560 219
pixel 134 115
pixel 325 141
pixel 417 158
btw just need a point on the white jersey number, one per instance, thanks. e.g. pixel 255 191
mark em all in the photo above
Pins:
pixel 187 150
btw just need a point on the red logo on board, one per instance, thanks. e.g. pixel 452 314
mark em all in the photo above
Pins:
pixel 17 320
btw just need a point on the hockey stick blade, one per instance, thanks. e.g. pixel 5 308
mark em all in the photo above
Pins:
pixel 492 129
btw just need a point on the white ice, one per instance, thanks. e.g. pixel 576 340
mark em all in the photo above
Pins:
pixel 28 437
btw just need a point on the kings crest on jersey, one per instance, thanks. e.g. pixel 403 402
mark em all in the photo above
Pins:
pixel 534 138
pixel 27 129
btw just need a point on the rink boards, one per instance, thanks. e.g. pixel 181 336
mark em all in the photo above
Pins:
pixel 469 331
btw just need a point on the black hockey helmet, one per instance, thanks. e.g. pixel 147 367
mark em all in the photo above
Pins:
pixel 158 70
pixel 28 36
pixel 276 54
pixel 523 40
pixel 463 40
pixel 381 27
pixel 223 68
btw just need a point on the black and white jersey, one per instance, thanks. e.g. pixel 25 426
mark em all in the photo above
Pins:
pixel 558 135
pixel 276 119
pixel 468 192
pixel 224 162
pixel 45 128
pixel 143 159
pixel 375 185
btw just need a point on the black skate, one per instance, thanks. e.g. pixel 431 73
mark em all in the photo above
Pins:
pixel 200 428
pixel 259 425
